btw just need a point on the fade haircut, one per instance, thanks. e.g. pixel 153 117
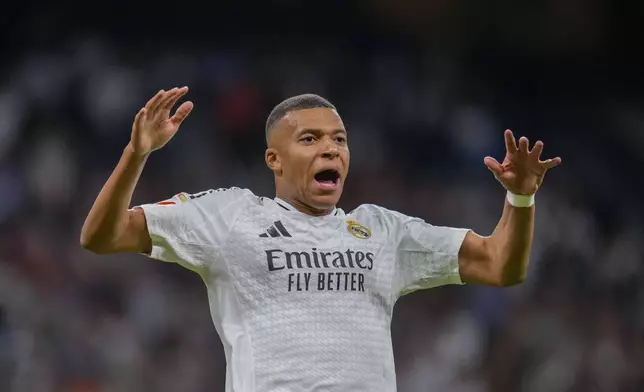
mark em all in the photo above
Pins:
pixel 298 102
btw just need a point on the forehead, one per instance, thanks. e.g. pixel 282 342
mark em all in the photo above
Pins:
pixel 322 119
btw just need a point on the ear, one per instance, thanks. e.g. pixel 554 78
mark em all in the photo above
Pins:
pixel 273 160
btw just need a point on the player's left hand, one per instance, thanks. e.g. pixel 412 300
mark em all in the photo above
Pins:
pixel 522 170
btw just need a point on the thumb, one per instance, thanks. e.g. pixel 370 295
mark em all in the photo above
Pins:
pixel 183 112
pixel 494 166
pixel 139 119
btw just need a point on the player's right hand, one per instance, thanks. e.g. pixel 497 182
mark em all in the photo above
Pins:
pixel 153 127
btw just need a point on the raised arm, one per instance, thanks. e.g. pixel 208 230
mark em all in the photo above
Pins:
pixel 502 258
pixel 110 226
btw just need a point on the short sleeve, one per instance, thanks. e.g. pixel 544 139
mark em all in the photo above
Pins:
pixel 188 228
pixel 427 255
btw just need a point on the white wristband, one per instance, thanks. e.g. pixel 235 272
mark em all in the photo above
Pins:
pixel 520 200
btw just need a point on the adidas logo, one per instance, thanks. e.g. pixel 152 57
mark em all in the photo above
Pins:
pixel 277 229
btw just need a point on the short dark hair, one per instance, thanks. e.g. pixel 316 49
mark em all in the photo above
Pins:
pixel 298 102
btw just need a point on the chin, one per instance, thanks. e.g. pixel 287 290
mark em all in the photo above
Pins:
pixel 325 201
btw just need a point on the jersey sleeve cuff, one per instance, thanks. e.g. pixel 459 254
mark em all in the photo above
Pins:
pixel 454 276
pixel 158 236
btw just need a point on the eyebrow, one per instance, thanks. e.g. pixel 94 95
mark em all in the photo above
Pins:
pixel 318 131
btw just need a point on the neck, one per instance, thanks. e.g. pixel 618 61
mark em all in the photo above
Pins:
pixel 305 208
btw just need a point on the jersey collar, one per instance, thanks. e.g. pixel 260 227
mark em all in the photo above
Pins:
pixel 288 207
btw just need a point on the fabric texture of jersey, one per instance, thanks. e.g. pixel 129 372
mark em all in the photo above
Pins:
pixel 302 303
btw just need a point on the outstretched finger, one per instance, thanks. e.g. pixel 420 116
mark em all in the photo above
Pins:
pixel 181 113
pixel 523 144
pixel 168 104
pixel 153 102
pixel 510 143
pixel 550 163
pixel 162 105
pixel 537 149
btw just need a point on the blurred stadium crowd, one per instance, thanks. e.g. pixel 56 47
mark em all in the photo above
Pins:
pixel 420 121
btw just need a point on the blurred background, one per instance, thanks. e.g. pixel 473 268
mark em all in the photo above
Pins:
pixel 426 89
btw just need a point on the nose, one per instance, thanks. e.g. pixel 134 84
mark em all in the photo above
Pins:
pixel 330 150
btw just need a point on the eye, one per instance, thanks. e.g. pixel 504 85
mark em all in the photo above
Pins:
pixel 341 139
pixel 307 139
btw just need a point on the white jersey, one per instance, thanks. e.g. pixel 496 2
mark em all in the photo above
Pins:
pixel 302 303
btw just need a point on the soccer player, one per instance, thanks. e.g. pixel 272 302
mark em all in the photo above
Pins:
pixel 302 292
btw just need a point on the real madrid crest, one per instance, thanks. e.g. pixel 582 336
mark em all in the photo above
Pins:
pixel 357 230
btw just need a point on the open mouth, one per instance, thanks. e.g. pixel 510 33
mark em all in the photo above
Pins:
pixel 328 178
